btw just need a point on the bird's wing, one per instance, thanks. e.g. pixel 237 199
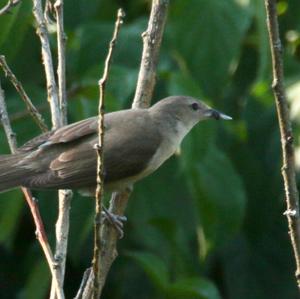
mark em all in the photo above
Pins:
pixel 74 131
pixel 35 142
pixel 65 134
pixel 129 144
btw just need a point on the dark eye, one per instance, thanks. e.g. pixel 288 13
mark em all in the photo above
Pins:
pixel 195 106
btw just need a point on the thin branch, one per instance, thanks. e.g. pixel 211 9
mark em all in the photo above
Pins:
pixel 61 69
pixel 62 234
pixel 64 196
pixel 8 6
pixel 10 134
pixel 56 99
pixel 40 231
pixel 42 237
pixel 80 293
pixel 151 39
pixel 18 86
pixel 97 258
pixel 146 81
pixel 48 64
pixel 288 168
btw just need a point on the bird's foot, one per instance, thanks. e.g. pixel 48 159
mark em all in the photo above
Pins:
pixel 116 221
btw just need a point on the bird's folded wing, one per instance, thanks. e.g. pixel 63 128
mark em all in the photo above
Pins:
pixel 65 134
pixel 129 145
pixel 74 131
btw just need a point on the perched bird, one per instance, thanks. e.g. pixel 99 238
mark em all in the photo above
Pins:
pixel 136 143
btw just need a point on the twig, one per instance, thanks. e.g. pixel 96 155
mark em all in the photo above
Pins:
pixel 18 86
pixel 64 196
pixel 97 258
pixel 61 69
pixel 40 231
pixel 119 200
pixel 288 168
pixel 42 237
pixel 8 6
pixel 151 39
pixel 146 80
pixel 48 64
pixel 85 278
pixel 10 134
pixel 62 233
pixel 56 100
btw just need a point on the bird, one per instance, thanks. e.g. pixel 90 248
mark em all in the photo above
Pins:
pixel 136 143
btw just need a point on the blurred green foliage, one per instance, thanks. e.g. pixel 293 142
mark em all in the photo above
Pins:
pixel 209 223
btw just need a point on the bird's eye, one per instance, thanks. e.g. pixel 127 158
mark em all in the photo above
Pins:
pixel 195 106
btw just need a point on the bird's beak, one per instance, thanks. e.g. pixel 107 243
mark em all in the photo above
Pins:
pixel 212 113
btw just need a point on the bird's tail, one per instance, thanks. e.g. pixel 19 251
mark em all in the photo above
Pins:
pixel 11 174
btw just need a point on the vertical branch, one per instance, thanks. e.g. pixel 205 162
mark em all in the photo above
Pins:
pixel 151 39
pixel 146 80
pixel 64 196
pixel 10 134
pixel 48 64
pixel 57 101
pixel 40 231
pixel 288 168
pixel 99 148
pixel 61 69
pixel 145 86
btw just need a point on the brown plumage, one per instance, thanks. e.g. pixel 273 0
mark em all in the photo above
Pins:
pixel 136 142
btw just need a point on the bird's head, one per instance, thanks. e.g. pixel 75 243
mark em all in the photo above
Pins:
pixel 189 111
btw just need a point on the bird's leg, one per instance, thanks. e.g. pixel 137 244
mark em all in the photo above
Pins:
pixel 116 221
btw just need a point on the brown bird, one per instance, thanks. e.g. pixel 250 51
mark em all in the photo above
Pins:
pixel 136 143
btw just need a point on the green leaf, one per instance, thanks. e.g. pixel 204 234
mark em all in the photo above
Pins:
pixel 193 287
pixel 219 194
pixel 208 41
pixel 262 40
pixel 154 267
pixel 183 84
pixel 38 281
pixel 89 44
pixel 14 26
pixel 11 205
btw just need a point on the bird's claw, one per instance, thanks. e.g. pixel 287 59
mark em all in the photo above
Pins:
pixel 117 221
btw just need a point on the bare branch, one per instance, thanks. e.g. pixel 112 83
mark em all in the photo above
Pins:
pixel 42 237
pixel 57 101
pixel 145 85
pixel 288 168
pixel 80 293
pixel 8 6
pixel 99 190
pixel 40 231
pixel 11 136
pixel 48 64
pixel 64 196
pixel 18 86
pixel 151 39
pixel 61 69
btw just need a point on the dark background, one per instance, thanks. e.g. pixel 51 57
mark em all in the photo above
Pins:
pixel 209 224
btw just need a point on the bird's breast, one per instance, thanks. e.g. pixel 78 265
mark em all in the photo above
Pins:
pixel 164 152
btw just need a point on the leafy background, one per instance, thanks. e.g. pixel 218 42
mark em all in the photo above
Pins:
pixel 209 224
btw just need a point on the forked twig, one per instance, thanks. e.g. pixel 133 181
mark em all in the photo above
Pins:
pixel 8 6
